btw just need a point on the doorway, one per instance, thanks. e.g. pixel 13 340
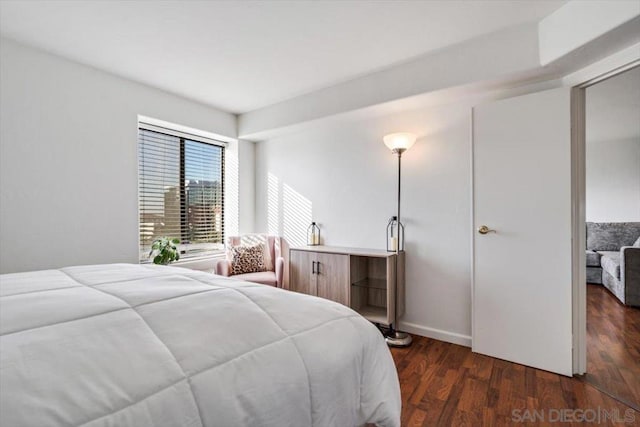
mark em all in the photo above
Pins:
pixel 528 256
pixel 612 244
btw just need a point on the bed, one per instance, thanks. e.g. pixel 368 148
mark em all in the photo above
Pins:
pixel 145 345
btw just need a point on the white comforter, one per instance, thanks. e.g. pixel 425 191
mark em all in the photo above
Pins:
pixel 130 345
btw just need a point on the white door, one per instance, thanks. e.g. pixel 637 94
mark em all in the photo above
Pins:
pixel 522 190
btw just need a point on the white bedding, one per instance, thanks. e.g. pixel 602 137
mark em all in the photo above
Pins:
pixel 131 345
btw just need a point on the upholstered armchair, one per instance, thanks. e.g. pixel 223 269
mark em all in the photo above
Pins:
pixel 275 266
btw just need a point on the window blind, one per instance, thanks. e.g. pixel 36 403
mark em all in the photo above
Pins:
pixel 181 192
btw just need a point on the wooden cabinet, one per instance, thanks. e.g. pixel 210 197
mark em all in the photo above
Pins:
pixel 332 277
pixel 372 287
pixel 363 279
pixel 320 274
pixel 301 272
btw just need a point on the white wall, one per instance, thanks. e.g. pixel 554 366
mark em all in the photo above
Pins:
pixel 613 149
pixel 340 174
pixel 247 184
pixel 68 159
pixel 613 180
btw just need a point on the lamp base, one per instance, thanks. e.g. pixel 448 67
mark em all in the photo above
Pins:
pixel 398 339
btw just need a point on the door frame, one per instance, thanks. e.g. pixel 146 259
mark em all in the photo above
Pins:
pixel 580 81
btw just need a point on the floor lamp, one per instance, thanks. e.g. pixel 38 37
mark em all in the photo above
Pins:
pixel 398 143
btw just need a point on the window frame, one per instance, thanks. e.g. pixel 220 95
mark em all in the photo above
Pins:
pixel 183 136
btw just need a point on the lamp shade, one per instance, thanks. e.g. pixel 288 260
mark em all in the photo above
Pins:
pixel 401 141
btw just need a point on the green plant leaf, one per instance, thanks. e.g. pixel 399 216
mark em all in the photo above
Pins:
pixel 164 250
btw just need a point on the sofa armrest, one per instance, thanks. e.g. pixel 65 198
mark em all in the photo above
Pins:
pixel 223 268
pixel 279 271
pixel 630 274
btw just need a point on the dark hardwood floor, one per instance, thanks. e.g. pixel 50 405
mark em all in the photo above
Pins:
pixel 613 346
pixel 447 385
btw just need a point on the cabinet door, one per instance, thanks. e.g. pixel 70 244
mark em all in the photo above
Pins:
pixel 301 278
pixel 332 275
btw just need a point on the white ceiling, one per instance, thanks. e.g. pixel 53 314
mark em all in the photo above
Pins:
pixel 243 55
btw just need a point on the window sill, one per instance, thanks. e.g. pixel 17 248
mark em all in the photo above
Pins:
pixel 195 258
pixel 203 263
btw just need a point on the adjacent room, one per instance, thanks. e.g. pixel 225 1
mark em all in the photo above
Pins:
pixel 319 213
pixel 613 235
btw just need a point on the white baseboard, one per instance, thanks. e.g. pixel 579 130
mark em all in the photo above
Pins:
pixel 436 334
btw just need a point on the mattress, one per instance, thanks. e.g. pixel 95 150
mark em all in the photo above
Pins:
pixel 146 345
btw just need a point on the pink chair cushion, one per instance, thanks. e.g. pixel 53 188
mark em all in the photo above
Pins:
pixel 274 277
pixel 262 277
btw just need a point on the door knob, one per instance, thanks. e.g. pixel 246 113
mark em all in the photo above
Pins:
pixel 483 229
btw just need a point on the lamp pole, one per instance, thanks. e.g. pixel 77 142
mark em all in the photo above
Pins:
pixel 399 152
pixel 394 337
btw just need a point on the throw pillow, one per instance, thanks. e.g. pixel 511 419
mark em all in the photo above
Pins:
pixel 247 259
pixel 637 243
pixel 254 239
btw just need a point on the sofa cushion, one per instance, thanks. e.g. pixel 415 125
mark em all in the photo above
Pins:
pixel 593 259
pixel 610 262
pixel 611 236
pixel 263 277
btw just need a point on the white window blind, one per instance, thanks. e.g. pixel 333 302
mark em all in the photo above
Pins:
pixel 180 187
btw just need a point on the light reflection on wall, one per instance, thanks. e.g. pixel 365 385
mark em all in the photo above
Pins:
pixel 289 213
pixel 297 215
pixel 273 205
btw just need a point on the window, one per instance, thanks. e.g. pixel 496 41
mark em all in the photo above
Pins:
pixel 180 190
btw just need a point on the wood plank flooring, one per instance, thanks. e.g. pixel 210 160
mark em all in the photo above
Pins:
pixel 613 346
pixel 445 384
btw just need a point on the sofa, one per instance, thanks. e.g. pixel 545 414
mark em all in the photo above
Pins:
pixel 613 258
pixel 275 269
